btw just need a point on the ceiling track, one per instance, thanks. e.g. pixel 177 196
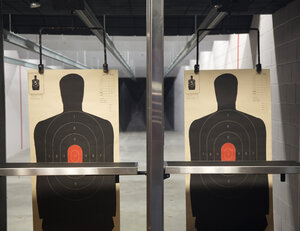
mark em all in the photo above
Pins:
pixel 34 47
pixel 90 20
pixel 20 62
pixel 213 18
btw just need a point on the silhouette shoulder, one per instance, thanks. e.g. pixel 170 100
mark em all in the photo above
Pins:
pixel 258 122
pixel 196 124
pixel 42 125
pixel 105 123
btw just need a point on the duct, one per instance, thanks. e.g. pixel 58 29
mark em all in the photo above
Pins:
pixel 32 46
pixel 213 18
pixel 90 20
pixel 21 63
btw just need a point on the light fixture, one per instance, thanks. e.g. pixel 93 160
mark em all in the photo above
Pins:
pixel 35 3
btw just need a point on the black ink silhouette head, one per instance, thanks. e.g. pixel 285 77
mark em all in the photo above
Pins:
pixel 191 77
pixel 226 91
pixel 71 89
pixel 35 84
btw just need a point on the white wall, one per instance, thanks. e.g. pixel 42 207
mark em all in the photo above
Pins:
pixel 225 55
pixel 17 135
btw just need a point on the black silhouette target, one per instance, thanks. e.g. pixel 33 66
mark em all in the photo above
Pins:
pixel 228 126
pixel 228 135
pixel 65 131
pixel 74 136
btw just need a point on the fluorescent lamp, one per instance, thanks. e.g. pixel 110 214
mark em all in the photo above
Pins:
pixel 35 3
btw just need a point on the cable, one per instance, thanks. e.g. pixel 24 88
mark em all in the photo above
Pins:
pixel 41 65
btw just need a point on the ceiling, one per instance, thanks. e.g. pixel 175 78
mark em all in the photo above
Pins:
pixel 127 17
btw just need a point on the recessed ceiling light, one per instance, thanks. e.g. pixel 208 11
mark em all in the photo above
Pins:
pixel 35 3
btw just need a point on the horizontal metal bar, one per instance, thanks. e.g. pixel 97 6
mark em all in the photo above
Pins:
pixel 245 167
pixel 21 63
pixel 58 169
pixel 32 46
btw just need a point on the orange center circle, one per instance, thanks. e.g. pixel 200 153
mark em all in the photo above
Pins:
pixel 74 154
pixel 228 152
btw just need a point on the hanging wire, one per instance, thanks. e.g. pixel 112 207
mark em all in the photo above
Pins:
pixel 41 65
pixel 226 31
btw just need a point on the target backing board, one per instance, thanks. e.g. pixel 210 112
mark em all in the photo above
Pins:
pixel 74 118
pixel 228 118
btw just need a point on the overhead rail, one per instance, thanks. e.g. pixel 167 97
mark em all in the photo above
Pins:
pixel 225 31
pixel 88 17
pixel 34 47
pixel 21 63
pixel 41 65
pixel 213 18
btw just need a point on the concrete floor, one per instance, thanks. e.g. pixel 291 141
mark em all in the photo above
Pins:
pixel 132 188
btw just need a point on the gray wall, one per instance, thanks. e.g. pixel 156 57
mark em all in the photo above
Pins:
pixel 285 113
pixel 179 100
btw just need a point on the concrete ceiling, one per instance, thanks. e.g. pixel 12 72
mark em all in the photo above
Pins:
pixel 127 17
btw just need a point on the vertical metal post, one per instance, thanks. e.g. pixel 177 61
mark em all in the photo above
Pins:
pixel 9 22
pixel 195 26
pixel 3 204
pixel 155 114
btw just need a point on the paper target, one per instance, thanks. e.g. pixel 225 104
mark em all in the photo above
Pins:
pixel 225 134
pixel 75 136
